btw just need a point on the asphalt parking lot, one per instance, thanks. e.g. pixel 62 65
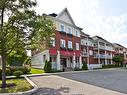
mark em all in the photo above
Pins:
pixel 115 79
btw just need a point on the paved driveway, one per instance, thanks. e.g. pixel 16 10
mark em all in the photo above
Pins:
pixel 110 79
pixel 103 82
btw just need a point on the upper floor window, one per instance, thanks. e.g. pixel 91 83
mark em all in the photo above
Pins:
pixel 52 42
pixel 84 50
pixel 77 46
pixel 62 43
pixel 77 33
pixel 90 52
pixel 69 44
pixel 69 30
pixel 62 28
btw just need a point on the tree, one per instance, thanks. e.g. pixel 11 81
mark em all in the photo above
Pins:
pixel 48 67
pixel 21 28
pixel 84 66
pixel 118 59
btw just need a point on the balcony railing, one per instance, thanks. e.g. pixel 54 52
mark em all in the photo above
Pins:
pixel 102 56
pixel 85 54
pixel 102 47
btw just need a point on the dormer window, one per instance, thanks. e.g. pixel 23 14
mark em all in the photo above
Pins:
pixel 62 28
pixel 77 33
pixel 69 30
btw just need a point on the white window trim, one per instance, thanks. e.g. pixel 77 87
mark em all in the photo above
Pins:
pixel 69 44
pixel 77 33
pixel 53 42
pixel 70 32
pixel 61 29
pixel 77 46
pixel 62 43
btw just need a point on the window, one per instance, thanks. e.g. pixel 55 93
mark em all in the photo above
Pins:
pixel 69 44
pixel 62 28
pixel 77 60
pixel 78 33
pixel 84 50
pixel 69 30
pixel 77 46
pixel 62 43
pixel 91 52
pixel 52 42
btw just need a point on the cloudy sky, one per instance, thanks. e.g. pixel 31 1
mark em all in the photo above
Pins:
pixel 105 18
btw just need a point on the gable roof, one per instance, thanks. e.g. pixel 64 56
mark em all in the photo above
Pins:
pixel 65 10
pixel 118 45
pixel 84 34
pixel 98 37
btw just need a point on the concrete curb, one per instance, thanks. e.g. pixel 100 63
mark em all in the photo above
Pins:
pixel 29 92
pixel 46 74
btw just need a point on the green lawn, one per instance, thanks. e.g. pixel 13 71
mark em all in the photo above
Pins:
pixel 16 85
pixel 36 71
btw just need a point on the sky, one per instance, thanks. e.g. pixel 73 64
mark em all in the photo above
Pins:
pixel 105 18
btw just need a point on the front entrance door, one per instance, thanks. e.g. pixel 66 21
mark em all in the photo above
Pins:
pixel 63 62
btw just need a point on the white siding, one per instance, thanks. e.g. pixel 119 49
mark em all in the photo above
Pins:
pixel 64 17
pixel 38 61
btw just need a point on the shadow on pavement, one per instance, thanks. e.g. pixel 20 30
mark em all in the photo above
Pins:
pixel 52 91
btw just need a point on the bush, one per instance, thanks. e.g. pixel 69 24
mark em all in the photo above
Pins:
pixel 18 73
pixel 110 66
pixel 48 67
pixel 11 70
pixel 24 69
pixel 77 69
pixel 84 66
pixel 0 73
pixel 8 72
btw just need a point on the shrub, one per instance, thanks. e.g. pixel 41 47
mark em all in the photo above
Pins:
pixel 48 67
pixel 11 70
pixel 77 69
pixel 18 73
pixel 84 66
pixel 8 72
pixel 24 69
pixel 0 73
pixel 110 66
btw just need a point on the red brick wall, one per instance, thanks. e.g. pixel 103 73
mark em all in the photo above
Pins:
pixel 67 38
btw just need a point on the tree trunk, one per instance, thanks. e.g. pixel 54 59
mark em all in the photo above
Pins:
pixel 3 69
pixel 3 48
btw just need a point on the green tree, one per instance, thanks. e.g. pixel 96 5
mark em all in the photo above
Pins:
pixel 118 59
pixel 48 67
pixel 84 66
pixel 21 29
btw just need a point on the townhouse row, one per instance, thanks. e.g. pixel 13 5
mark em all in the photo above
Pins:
pixel 71 47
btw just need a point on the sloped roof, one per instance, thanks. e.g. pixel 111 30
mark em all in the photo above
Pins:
pixel 84 34
pixel 62 12
pixel 117 45
pixel 98 37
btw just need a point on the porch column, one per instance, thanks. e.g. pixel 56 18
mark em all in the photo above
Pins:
pixel 105 56
pixel 80 62
pixel 58 60
pixel 48 56
pixel 88 55
pixel 74 61
pixel 111 58
pixel 98 53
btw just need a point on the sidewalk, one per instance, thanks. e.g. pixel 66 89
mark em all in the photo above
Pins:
pixel 55 85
